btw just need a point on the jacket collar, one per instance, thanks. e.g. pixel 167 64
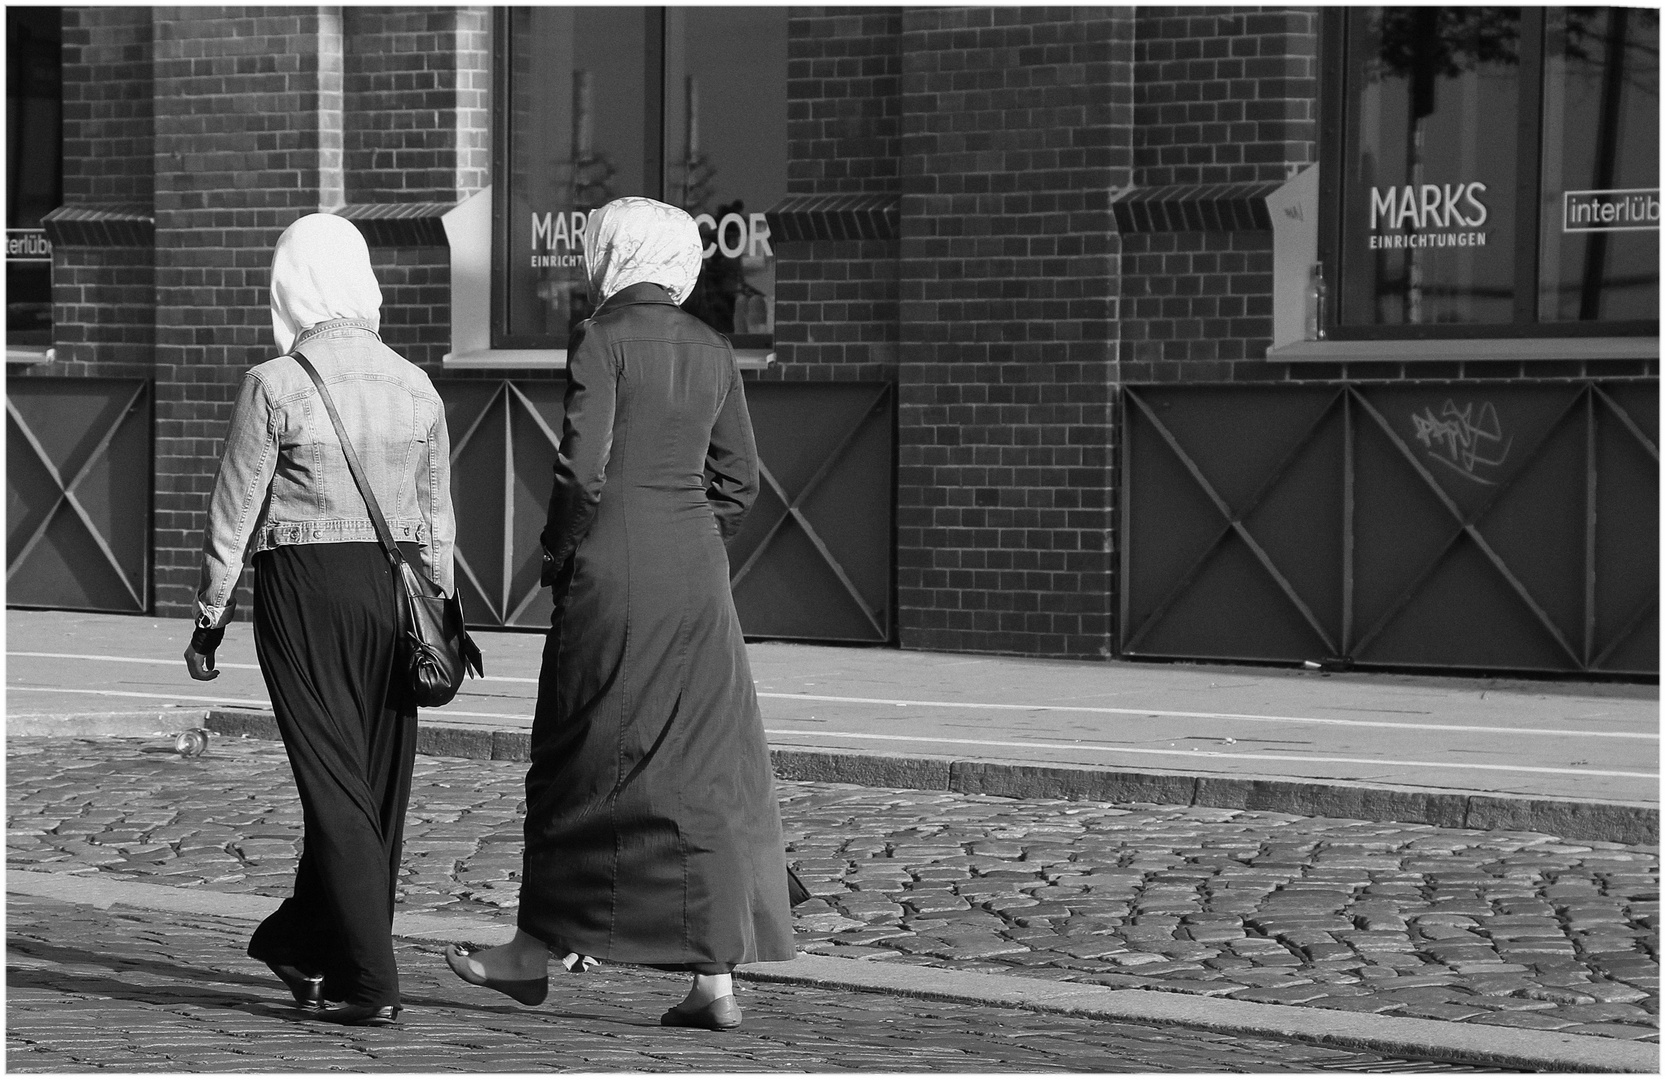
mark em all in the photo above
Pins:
pixel 332 325
pixel 644 292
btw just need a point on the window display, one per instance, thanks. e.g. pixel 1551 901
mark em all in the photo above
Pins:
pixel 34 185
pixel 1600 218
pixel 1429 220
pixel 1492 171
pixel 687 105
pixel 726 123
pixel 572 138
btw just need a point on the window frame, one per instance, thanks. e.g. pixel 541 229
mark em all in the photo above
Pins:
pixel 1333 158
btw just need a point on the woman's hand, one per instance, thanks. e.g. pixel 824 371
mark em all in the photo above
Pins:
pixel 200 665
pixel 199 655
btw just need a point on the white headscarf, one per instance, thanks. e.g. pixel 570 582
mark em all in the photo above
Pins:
pixel 321 271
pixel 633 240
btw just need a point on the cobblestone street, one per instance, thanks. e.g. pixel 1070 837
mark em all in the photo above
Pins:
pixel 110 990
pixel 1511 929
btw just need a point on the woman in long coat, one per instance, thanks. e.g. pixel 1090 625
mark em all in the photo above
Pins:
pixel 653 835
pixel 324 624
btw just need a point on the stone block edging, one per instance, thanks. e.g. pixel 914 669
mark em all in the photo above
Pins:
pixel 1607 822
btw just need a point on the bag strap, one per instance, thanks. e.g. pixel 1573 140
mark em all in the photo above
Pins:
pixel 382 532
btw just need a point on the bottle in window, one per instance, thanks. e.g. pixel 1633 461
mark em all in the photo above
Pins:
pixel 1316 303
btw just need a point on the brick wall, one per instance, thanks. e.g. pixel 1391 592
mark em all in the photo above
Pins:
pixel 107 105
pixel 103 293
pixel 473 63
pixel 1008 279
pixel 1223 95
pixel 223 125
pixel 416 129
pixel 1195 306
pixel 401 104
pixel 997 294
pixel 248 112
pixel 104 313
pixel 416 302
pixel 836 299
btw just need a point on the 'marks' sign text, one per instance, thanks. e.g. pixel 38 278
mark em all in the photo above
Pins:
pixel 1426 208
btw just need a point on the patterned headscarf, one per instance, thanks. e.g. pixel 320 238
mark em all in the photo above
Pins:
pixel 633 240
pixel 321 271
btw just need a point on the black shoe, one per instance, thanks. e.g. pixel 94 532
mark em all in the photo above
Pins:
pixel 719 1015
pixel 525 991
pixel 361 1015
pixel 308 989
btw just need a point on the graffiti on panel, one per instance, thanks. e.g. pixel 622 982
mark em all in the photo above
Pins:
pixel 1469 441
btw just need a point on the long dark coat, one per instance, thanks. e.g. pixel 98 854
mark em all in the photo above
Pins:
pixel 653 834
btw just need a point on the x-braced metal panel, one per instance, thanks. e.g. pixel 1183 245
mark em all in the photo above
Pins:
pixel 78 483
pixel 1439 525
pixel 814 559
pixel 504 437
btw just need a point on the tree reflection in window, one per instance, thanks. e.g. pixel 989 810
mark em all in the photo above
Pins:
pixel 1436 99
pixel 1602 134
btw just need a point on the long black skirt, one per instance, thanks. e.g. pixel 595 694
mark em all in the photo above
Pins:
pixel 324 634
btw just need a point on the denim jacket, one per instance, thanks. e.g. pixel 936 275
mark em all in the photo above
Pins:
pixel 284 480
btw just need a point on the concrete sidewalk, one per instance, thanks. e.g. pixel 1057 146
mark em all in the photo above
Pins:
pixel 1572 759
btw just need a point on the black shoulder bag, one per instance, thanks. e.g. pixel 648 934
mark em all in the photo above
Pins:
pixel 433 651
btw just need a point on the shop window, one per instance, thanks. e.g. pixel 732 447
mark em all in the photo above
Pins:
pixel 1600 219
pixel 1492 171
pixel 34 184
pixel 686 105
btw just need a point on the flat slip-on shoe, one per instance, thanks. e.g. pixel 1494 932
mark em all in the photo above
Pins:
pixel 525 991
pixel 579 964
pixel 721 1014
pixel 361 1015
pixel 308 989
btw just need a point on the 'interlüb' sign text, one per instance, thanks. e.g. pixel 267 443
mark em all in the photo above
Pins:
pixel 1622 210
pixel 28 245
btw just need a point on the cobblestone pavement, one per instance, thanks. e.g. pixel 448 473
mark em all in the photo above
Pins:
pixel 1512 929
pixel 143 991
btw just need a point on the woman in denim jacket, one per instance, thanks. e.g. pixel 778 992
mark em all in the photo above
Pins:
pixel 325 623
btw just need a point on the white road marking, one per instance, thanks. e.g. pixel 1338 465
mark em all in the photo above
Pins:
pixel 247 702
pixel 135 694
pixel 1218 754
pixel 1257 718
pixel 957 742
pixel 123 659
pixel 1100 710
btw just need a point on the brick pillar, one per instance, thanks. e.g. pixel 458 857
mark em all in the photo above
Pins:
pixel 248 138
pixel 417 140
pixel 103 275
pixel 1015 125
pixel 836 288
pixel 1226 97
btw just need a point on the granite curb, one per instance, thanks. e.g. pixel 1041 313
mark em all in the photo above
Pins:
pixel 1400 1036
pixel 1593 819
pixel 1599 820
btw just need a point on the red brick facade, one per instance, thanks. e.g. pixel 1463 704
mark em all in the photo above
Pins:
pixel 1223 95
pixel 1004 134
pixel 193 137
pixel 958 222
pixel 837 298
pixel 1008 285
